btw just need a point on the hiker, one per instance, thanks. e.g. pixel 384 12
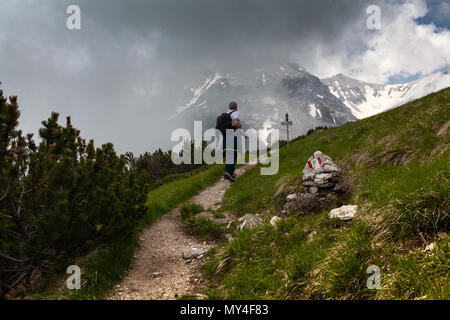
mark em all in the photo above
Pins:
pixel 229 120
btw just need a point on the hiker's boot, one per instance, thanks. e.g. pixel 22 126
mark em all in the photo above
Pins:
pixel 228 177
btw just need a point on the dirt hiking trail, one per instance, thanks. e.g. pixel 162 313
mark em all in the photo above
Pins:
pixel 159 271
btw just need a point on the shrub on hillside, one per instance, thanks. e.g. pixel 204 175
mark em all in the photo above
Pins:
pixel 59 198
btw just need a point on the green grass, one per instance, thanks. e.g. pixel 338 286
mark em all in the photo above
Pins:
pixel 104 268
pixel 101 270
pixel 189 210
pixel 420 275
pixel 398 167
pixel 172 194
pixel 202 228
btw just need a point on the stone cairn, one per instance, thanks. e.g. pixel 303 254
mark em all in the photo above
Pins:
pixel 323 186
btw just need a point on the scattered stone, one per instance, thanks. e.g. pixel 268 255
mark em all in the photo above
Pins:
pixel 199 296
pixel 249 221
pixel 228 236
pixel 274 221
pixel 311 235
pixel 344 213
pixel 192 253
pixel 429 247
pixel 157 274
pixel 292 196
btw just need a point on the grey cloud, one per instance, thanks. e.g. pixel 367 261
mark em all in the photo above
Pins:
pixel 123 74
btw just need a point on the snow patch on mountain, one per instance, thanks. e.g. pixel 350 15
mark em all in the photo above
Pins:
pixel 367 99
pixel 198 92
pixel 312 110
pixel 265 97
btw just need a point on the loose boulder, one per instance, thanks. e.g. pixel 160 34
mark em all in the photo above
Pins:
pixel 344 213
pixel 193 252
pixel 274 221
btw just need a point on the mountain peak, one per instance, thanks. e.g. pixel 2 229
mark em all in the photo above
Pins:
pixel 366 99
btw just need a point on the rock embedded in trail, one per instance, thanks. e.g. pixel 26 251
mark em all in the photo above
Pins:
pixel 193 252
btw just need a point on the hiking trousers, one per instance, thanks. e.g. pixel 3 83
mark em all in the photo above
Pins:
pixel 230 154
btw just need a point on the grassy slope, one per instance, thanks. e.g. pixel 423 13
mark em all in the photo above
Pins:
pixel 398 163
pixel 105 267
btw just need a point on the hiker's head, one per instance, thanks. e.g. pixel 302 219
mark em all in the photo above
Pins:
pixel 232 105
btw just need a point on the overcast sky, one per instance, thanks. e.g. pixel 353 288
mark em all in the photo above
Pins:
pixel 123 74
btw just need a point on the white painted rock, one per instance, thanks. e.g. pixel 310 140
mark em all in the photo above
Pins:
pixel 274 221
pixel 318 160
pixel 344 213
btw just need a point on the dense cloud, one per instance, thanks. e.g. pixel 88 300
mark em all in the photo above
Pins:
pixel 125 72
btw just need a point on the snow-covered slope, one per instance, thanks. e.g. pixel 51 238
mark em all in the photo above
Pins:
pixel 267 94
pixel 366 99
pixel 264 98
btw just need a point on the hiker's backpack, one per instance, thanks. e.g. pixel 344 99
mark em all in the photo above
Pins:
pixel 224 122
